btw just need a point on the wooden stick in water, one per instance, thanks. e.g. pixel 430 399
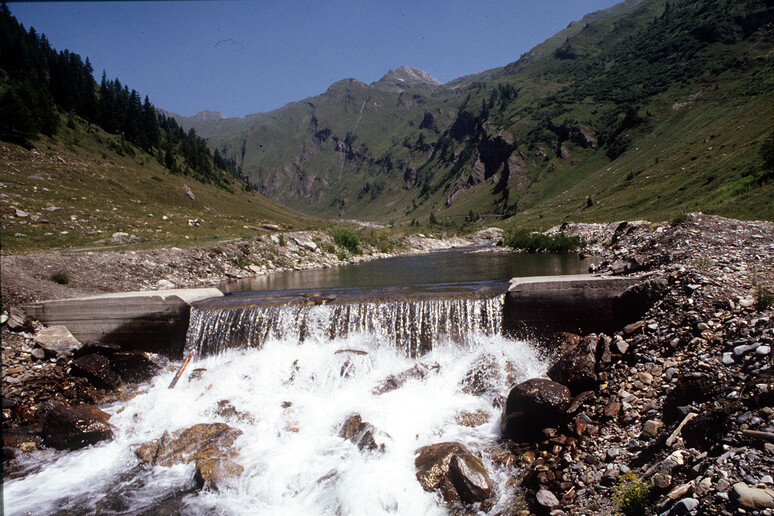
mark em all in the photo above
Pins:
pixel 180 371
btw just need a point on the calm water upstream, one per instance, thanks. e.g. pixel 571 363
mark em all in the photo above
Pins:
pixel 452 266
pixel 291 375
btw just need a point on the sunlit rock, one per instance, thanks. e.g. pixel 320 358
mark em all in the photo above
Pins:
pixel 451 468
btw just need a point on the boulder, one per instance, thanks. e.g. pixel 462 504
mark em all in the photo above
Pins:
pixel 208 445
pixel 361 433
pixel 18 320
pixel 71 428
pixel 96 369
pixel 56 341
pixel 133 366
pixel 99 348
pixel 396 381
pixel 484 377
pixel 577 368
pixel 455 471
pixel 752 498
pixel 532 406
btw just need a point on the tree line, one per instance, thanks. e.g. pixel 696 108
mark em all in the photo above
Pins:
pixel 37 84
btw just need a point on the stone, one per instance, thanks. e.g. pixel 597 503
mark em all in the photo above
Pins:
pixel 96 369
pixel 361 433
pixel 451 468
pixel 651 428
pixel 745 348
pixel 484 377
pixel 188 192
pixel 684 507
pixel 71 428
pixel 662 480
pixel 133 366
pixel 547 499
pixel 56 341
pixel 630 329
pixel 532 406
pixel 216 472
pixel 395 381
pixel 752 498
pixel 99 348
pixel 164 284
pixel 19 321
pixel 38 354
pixel 577 368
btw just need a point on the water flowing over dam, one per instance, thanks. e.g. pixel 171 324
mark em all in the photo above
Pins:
pixel 286 372
pixel 410 326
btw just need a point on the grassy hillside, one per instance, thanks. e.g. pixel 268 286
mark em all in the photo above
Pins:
pixel 644 110
pixel 80 187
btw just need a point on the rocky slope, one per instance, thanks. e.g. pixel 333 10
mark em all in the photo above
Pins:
pixel 684 397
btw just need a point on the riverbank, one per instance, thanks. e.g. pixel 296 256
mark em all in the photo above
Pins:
pixel 703 348
pixel 682 397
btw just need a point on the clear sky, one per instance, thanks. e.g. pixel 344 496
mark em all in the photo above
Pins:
pixel 242 57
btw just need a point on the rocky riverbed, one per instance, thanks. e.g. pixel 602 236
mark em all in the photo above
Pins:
pixel 681 399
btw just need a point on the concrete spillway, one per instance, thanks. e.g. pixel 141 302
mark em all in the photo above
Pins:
pixel 154 321
pixel 158 321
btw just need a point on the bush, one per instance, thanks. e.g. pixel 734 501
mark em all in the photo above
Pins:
pixel 632 495
pixel 764 299
pixel 537 242
pixel 347 239
pixel 60 277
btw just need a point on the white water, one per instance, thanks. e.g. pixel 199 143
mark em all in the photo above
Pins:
pixel 294 460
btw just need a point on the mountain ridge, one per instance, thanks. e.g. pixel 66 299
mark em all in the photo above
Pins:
pixel 552 135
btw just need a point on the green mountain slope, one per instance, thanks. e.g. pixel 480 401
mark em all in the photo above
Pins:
pixel 647 109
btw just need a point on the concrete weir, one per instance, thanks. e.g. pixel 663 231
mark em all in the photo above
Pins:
pixel 154 321
pixel 540 305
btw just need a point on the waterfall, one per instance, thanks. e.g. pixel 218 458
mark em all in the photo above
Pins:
pixel 413 326
pixel 290 402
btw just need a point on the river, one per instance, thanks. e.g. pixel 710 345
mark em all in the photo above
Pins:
pixel 291 383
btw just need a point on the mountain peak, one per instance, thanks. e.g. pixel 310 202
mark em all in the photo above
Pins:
pixel 209 115
pixel 405 77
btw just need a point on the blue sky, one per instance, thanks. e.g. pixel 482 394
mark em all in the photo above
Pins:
pixel 242 57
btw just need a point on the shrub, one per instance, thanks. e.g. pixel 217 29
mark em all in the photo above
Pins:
pixel 60 277
pixel 764 299
pixel 347 239
pixel 537 242
pixel 632 495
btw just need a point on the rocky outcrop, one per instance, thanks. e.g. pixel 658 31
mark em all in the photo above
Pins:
pixel 453 470
pixel 71 428
pixel 533 406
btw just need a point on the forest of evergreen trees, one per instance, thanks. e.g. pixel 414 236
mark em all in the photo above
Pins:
pixel 38 84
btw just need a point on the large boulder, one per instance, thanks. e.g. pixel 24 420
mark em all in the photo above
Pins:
pixel 56 341
pixel 133 366
pixel 532 406
pixel 577 368
pixel 451 468
pixel 70 428
pixel 96 369
pixel 208 445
